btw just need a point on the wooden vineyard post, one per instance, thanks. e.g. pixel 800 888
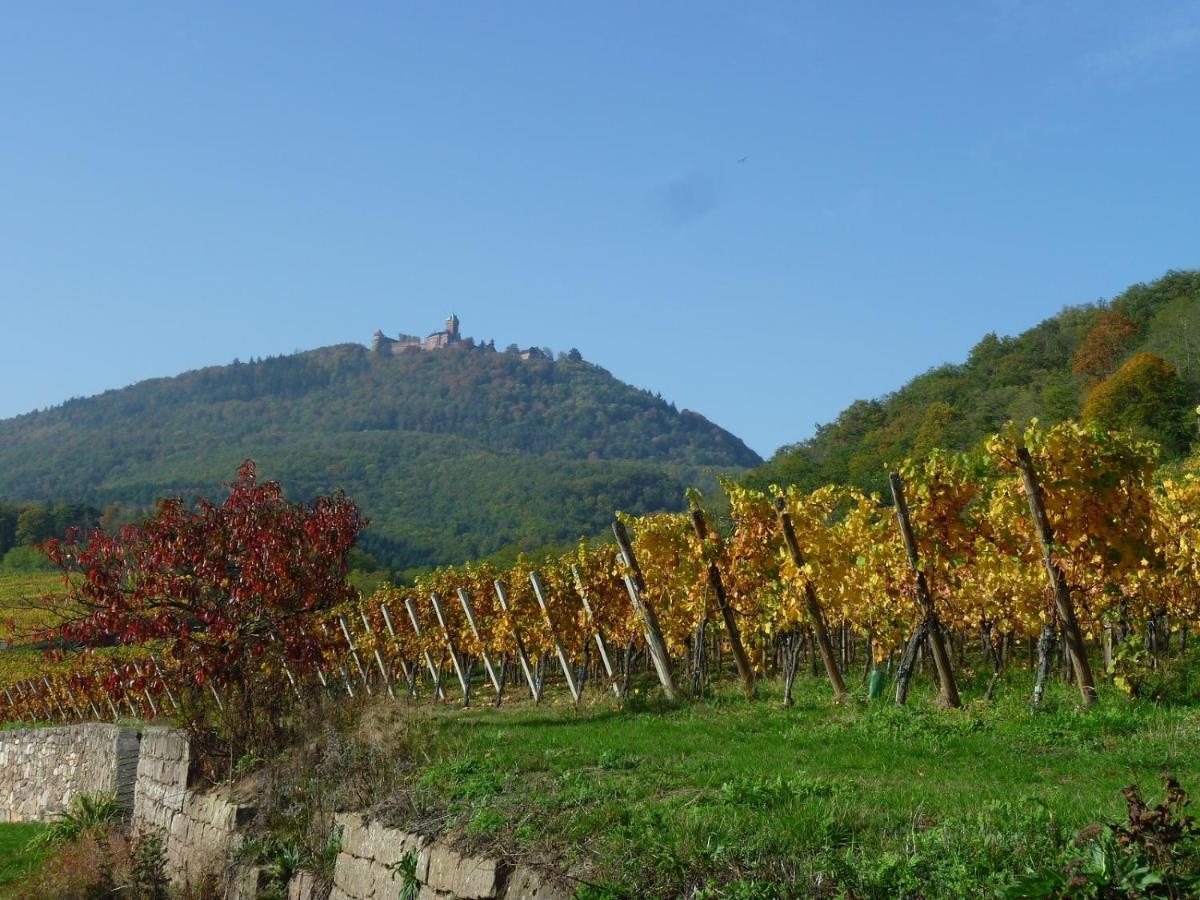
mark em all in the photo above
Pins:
pixel 341 668
pixel 33 713
pixel 539 591
pixel 948 695
pixel 434 672
pixel 162 678
pixel 145 691
pixel 108 698
pixel 12 703
pixel 61 712
pixel 383 671
pixel 411 678
pixel 465 600
pixel 362 672
pixel 458 669
pixel 601 644
pixel 1058 581
pixel 74 704
pixel 124 693
pixel 286 671
pixel 745 670
pixel 816 617
pixel 636 586
pixel 522 655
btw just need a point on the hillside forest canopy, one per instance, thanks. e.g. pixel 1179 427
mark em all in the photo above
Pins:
pixel 1130 363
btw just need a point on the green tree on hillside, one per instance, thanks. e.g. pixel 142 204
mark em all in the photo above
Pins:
pixel 34 525
pixel 1144 396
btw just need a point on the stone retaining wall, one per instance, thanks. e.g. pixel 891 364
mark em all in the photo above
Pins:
pixel 369 867
pixel 200 829
pixel 41 769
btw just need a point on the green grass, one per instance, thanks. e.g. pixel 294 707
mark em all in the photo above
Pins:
pixel 741 800
pixel 16 861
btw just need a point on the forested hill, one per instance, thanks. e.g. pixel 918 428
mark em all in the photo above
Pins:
pixel 1132 362
pixel 454 454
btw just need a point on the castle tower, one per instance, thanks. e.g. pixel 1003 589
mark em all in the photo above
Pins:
pixel 452 327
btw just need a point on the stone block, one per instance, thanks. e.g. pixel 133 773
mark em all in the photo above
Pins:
pixel 528 884
pixel 303 886
pixel 466 877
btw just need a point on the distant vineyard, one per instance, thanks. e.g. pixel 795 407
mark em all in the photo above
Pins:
pixel 21 607
pixel 1068 534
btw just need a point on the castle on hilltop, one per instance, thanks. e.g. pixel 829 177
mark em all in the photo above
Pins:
pixel 450 337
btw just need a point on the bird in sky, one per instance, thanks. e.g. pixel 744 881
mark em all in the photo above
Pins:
pixel 743 159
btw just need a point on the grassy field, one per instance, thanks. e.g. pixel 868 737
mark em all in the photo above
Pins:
pixel 719 798
pixel 15 861
pixel 19 596
pixel 21 611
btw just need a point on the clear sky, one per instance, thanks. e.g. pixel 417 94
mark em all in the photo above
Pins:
pixel 182 184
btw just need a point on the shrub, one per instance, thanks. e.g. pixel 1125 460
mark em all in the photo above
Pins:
pixel 87 813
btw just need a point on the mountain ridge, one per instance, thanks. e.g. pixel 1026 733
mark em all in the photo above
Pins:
pixel 455 453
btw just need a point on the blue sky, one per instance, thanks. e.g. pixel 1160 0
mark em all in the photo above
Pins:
pixel 186 184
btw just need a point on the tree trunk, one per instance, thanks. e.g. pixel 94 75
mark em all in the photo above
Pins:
pixel 793 642
pixel 1058 581
pixel 699 646
pixel 908 660
pixel 1045 656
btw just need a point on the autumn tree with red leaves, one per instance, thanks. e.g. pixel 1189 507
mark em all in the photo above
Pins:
pixel 1101 350
pixel 228 591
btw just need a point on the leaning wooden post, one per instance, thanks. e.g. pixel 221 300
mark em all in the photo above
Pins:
pixel 166 687
pixel 601 644
pixel 410 677
pixel 341 668
pixel 50 690
pixel 948 695
pixel 283 663
pixel 539 591
pixel 362 672
pixel 29 703
pixel 1058 581
pixel 145 690
pixel 74 703
pixel 13 704
pixel 383 672
pixel 434 672
pixel 816 617
pixel 120 683
pixel 522 655
pixel 465 600
pixel 745 670
pixel 107 696
pixel 462 677
pixel 636 586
